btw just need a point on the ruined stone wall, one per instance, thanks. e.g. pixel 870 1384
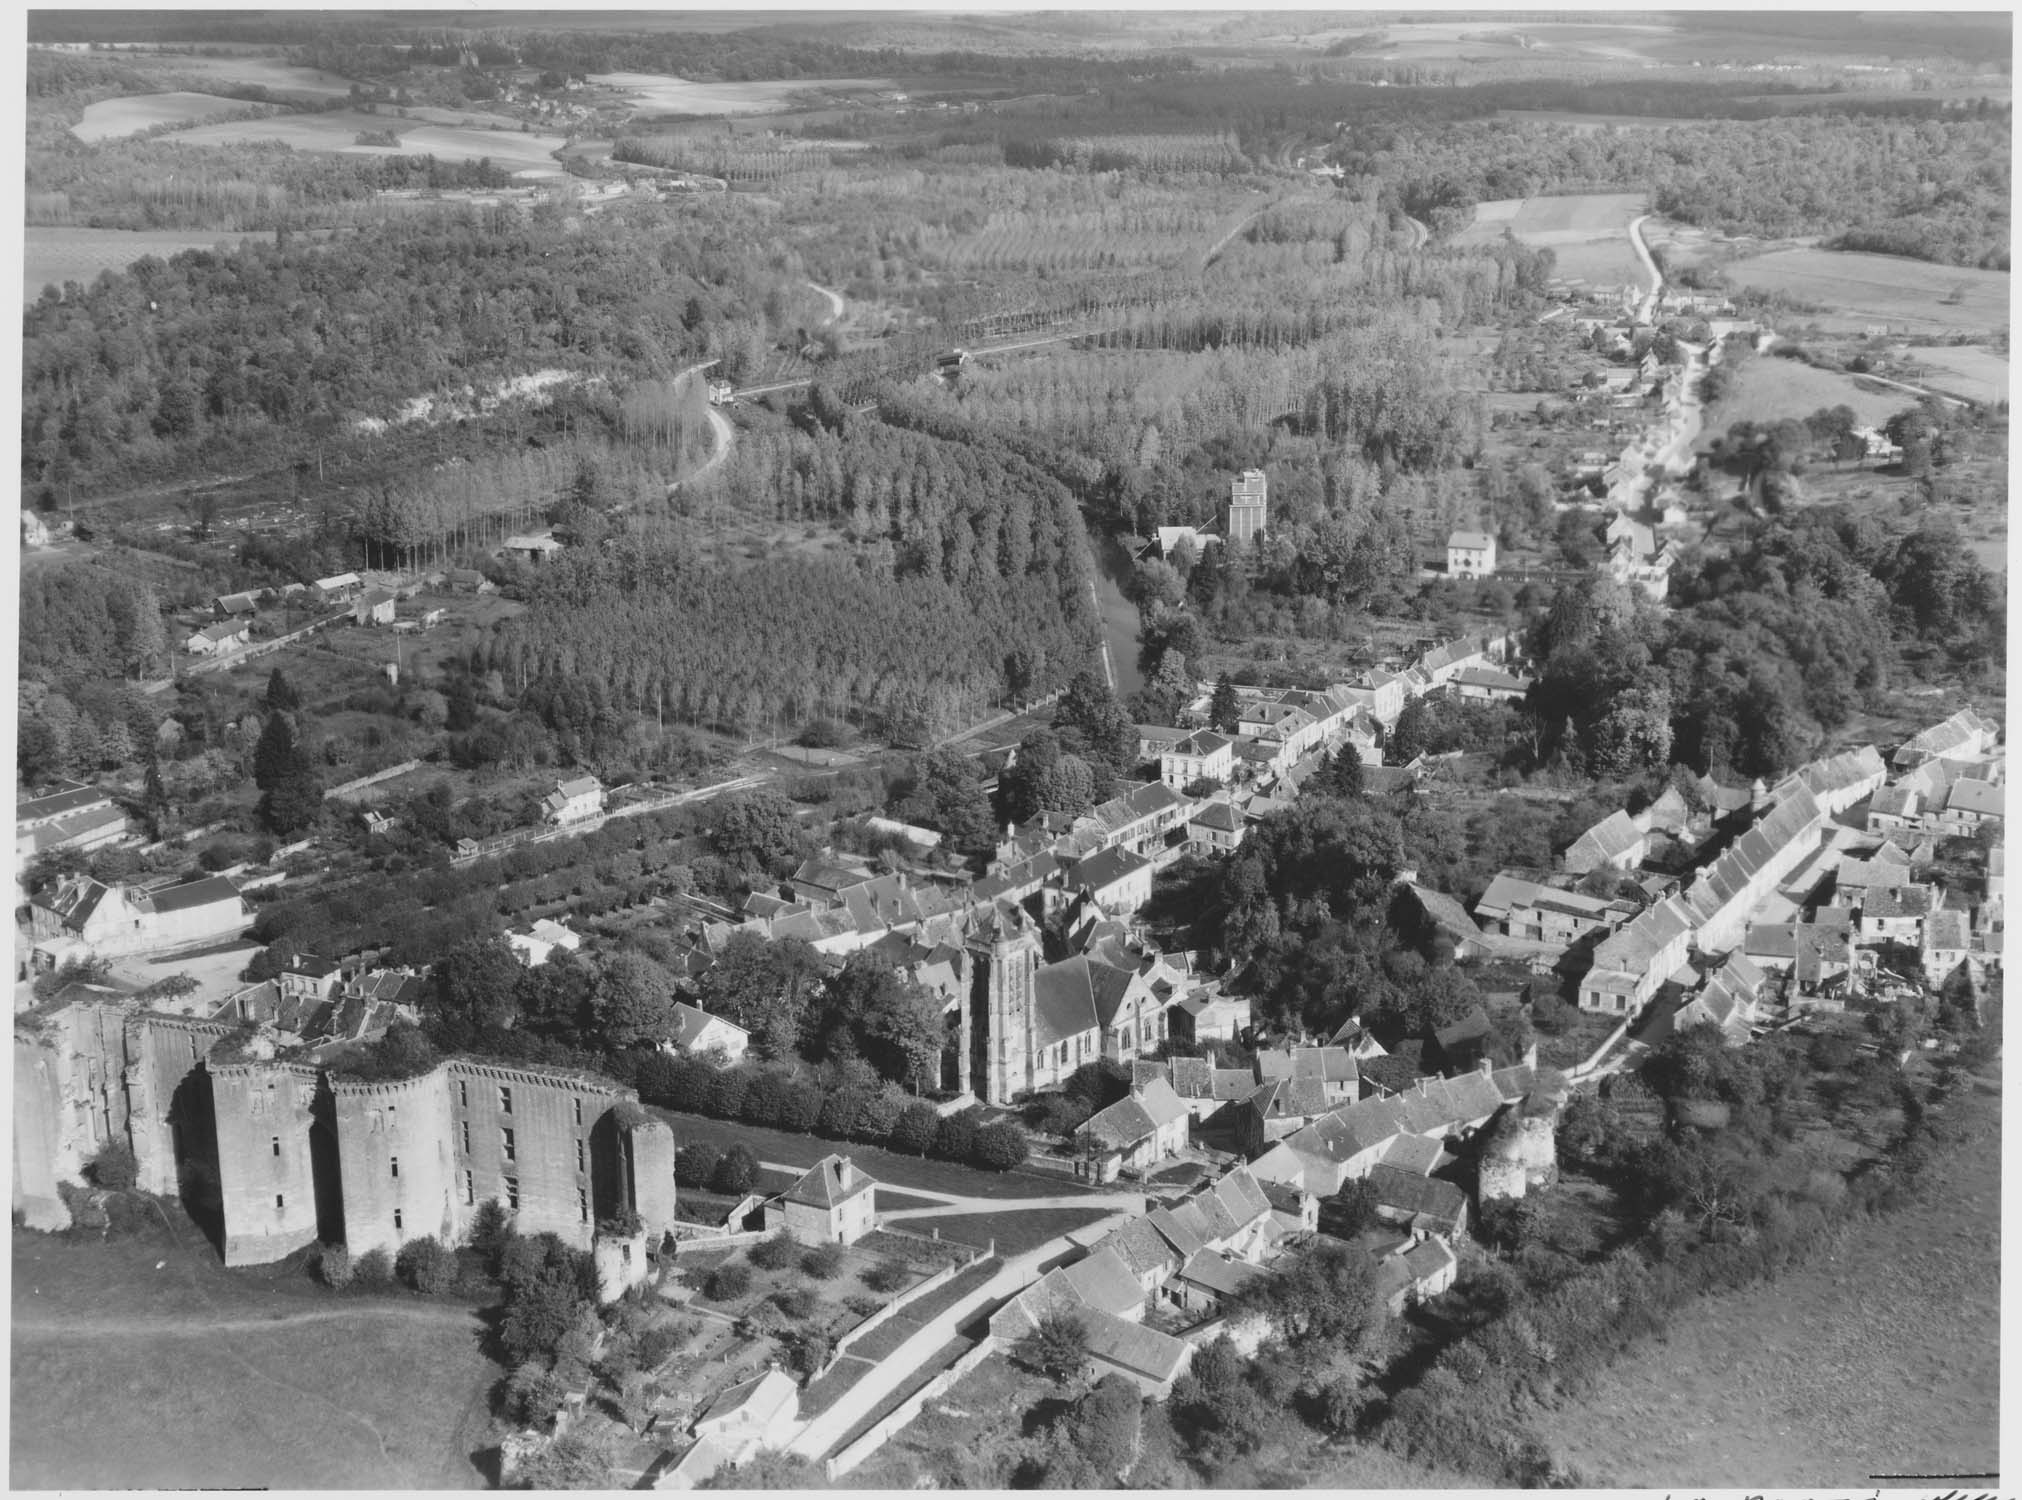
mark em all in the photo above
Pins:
pixel 41 1157
pixel 650 1146
pixel 560 1169
pixel 395 1161
pixel 163 1052
pixel 1522 1156
pixel 266 1177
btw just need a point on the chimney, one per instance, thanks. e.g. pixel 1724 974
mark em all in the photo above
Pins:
pixel 845 1172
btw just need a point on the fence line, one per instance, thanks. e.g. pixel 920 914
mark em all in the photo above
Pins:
pixel 345 789
pixel 899 1304
pixel 907 1411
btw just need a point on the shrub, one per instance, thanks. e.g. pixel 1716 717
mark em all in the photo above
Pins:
pixel 916 1130
pixel 531 1394
pixel 657 1346
pixel 861 1306
pixel 695 1164
pixel 374 1268
pixel 427 1265
pixel 490 1228
pixel 775 1253
pixel 797 1302
pixel 333 1264
pixel 887 1276
pixel 727 1283
pixel 1000 1147
pixel 114 1168
pixel 823 1262
pixel 956 1138
pixel 736 1172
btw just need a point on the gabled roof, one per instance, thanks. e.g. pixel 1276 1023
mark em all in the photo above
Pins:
pixel 691 1021
pixel 754 1402
pixel 1970 795
pixel 191 894
pixel 1607 841
pixel 1409 1192
pixel 1473 539
pixel 1075 996
pixel 1101 871
pixel 1218 1273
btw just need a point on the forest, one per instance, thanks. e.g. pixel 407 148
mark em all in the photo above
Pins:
pixel 1937 188
pixel 969 585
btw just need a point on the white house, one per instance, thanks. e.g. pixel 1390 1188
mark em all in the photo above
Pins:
pixel 374 608
pixel 833 1203
pixel 535 548
pixel 695 1030
pixel 532 945
pixel 1203 756
pixel 572 801
pixel 1470 554
pixel 220 639
pixel 339 588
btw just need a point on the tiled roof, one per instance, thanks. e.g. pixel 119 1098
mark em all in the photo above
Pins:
pixel 191 894
pixel 1969 795
pixel 822 1185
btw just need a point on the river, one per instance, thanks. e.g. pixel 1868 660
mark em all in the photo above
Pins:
pixel 1119 615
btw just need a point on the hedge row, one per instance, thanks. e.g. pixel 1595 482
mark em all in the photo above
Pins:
pixel 781 1099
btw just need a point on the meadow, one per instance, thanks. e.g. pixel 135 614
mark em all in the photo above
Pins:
pixel 1969 370
pixel 1880 1358
pixel 1908 296
pixel 186 1375
pixel 652 92
pixel 523 153
pixel 112 119
pixel 54 255
pixel 1587 232
pixel 263 71
pixel 1766 388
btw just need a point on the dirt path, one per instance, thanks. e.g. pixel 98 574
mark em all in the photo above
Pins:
pixel 61 1326
pixel 837 308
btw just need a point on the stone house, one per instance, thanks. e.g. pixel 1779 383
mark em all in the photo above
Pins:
pixel 834 1202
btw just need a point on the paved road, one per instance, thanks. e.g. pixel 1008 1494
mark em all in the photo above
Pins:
pixel 1649 305
pixel 825 1431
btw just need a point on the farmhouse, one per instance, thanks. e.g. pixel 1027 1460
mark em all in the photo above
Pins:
pixel 1470 554
pixel 534 548
pixel 220 639
pixel 340 588
pixel 235 606
pixel 107 921
pixel 1147 1126
pixel 572 801
pixel 1249 498
pixel 374 607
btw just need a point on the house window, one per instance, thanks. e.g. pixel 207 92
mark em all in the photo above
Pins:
pixel 396 1166
pixel 277 1145
pixel 280 1200
pixel 579 1111
pixel 581 1163
pixel 396 1221
pixel 469 1186
pixel 463 1092
pixel 506 1135
pixel 512 1186
pixel 505 1100
pixel 583 1204
pixel 466 1137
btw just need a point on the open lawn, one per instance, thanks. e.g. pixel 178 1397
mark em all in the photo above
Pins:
pixel 522 153
pixel 656 92
pixel 126 1375
pixel 1906 296
pixel 111 119
pixel 1587 232
pixel 1013 1233
pixel 1766 388
pixel 882 1166
pixel 53 255
pixel 1881 1358
pixel 1969 370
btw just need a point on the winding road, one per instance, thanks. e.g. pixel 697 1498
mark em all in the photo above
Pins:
pixel 836 306
pixel 1648 309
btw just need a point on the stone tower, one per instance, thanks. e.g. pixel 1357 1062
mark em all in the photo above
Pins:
pixel 1005 951
pixel 1248 501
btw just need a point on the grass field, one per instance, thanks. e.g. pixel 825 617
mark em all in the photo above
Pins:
pixel 1882 1358
pixel 53 256
pixel 1767 389
pixel 110 119
pixel 1586 124
pixel 523 153
pixel 656 91
pixel 266 72
pixel 881 1166
pixel 1588 232
pixel 1969 370
pixel 1012 1233
pixel 1863 290
pixel 129 1376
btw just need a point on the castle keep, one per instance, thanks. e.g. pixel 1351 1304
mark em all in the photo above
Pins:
pixel 296 1154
